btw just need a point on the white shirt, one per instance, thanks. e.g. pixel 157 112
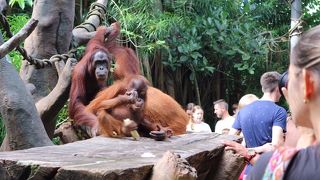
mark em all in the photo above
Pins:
pixel 224 124
pixel 202 127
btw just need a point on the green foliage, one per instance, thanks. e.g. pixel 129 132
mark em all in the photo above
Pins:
pixel 21 3
pixel 62 116
pixel 16 22
pixel 221 46
pixel 202 36
pixel 2 130
pixel 16 59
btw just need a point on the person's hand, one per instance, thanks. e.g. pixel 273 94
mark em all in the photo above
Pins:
pixel 238 148
pixel 266 147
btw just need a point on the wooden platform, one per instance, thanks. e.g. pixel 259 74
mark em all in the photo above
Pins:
pixel 112 158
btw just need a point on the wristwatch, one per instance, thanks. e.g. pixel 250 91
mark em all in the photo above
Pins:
pixel 251 154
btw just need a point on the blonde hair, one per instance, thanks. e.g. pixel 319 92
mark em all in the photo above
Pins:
pixel 196 107
pixel 247 99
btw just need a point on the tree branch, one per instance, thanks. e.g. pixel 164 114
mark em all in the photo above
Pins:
pixel 49 104
pixel 18 38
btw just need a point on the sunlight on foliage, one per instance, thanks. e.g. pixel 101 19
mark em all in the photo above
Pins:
pixel 21 3
pixel 62 116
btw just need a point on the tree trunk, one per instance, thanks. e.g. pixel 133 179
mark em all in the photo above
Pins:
pixel 170 84
pixel 147 68
pixel 179 91
pixel 52 36
pixel 158 69
pixel 196 85
pixel 295 19
pixel 23 125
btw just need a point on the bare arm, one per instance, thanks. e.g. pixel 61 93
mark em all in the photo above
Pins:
pixel 240 149
pixel 277 140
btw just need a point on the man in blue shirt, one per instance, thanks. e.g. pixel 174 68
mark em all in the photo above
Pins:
pixel 262 122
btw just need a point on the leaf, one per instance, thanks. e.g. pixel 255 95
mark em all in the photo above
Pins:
pixel 180 49
pixel 29 2
pixel 210 69
pixel 237 65
pixel 245 56
pixel 196 55
pixel 21 4
pixel 194 30
pixel 183 58
pixel 218 25
pixel 209 20
pixel 210 32
pixel 159 42
pixel 230 52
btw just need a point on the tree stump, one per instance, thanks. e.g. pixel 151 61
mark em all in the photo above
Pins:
pixel 113 158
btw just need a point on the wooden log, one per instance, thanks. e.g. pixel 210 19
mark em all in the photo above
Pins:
pixel 112 158
pixel 172 166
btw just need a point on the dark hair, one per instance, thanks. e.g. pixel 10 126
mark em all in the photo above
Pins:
pixel 306 53
pixel 190 106
pixel 222 102
pixel 283 82
pixel 234 107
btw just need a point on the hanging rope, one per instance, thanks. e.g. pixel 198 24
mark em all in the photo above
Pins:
pixel 296 29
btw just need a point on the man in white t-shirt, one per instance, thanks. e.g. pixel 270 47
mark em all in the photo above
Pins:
pixel 224 125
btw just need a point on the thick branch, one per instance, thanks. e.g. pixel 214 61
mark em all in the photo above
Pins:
pixel 18 38
pixel 48 105
pixel 23 124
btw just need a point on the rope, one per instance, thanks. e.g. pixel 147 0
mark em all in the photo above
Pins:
pixel 42 63
pixel 96 9
pixel 296 29
pixel 39 63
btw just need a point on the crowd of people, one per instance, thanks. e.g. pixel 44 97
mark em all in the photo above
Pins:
pixel 278 144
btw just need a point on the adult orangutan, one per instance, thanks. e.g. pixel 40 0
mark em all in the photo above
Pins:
pixel 89 77
pixel 160 110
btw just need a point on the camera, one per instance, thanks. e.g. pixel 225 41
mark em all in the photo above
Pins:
pixel 283 82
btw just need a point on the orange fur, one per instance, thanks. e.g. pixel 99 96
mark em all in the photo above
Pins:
pixel 159 107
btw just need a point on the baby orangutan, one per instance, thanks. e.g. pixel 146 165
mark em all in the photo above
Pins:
pixel 125 99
